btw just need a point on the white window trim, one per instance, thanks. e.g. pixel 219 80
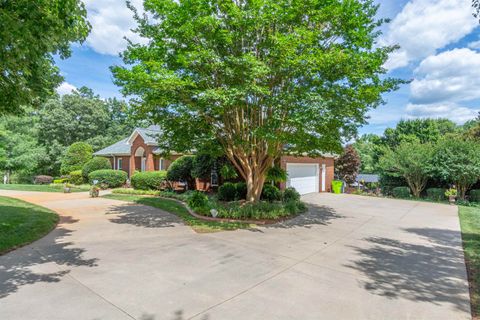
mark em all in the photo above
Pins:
pixel 161 164
pixel 119 163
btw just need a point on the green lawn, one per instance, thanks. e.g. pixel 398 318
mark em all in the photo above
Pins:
pixel 179 210
pixel 470 224
pixel 22 223
pixel 42 187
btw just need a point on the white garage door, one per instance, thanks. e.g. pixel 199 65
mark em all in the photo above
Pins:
pixel 303 177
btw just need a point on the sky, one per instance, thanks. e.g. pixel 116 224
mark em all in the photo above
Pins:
pixel 439 54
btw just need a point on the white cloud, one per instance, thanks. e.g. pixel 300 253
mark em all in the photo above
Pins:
pixel 474 45
pixel 424 26
pixel 65 88
pixel 111 21
pixel 448 76
pixel 452 111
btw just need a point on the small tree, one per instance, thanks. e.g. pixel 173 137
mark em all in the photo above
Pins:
pixel 76 156
pixel 457 161
pixel 97 163
pixel 181 170
pixel 410 160
pixel 348 165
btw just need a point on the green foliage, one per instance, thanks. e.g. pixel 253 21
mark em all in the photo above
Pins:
pixel 97 163
pixel 77 155
pixel 388 182
pixel 347 166
pixel 240 190
pixel 228 172
pixel 256 76
pixel 475 195
pixel 276 175
pixel 148 180
pixel 259 210
pixel 452 192
pixel 436 194
pixel 31 32
pixel 227 192
pixel 290 194
pixel 76 177
pixel 197 200
pixel 401 192
pixel 271 193
pixel 108 177
pixel 202 166
pixel 181 170
pixel 369 148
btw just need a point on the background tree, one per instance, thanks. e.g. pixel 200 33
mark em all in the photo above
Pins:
pixel 77 155
pixel 256 76
pixel 347 166
pixel 369 148
pixel 31 32
pixel 457 161
pixel 410 160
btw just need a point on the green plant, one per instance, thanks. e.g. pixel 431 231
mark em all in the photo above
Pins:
pixel 148 180
pixel 76 177
pixel 475 195
pixel 240 190
pixel 94 191
pixel 181 170
pixel 197 200
pixel 97 163
pixel 228 172
pixel 111 178
pixel 276 175
pixel 401 192
pixel 227 192
pixel 76 156
pixel 60 181
pixel 452 192
pixel 290 194
pixel 271 193
pixel 436 194
pixel 202 165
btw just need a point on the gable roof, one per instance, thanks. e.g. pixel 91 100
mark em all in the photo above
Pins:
pixel 149 135
pixel 121 148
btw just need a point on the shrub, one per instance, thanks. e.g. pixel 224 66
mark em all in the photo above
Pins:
pixel 276 174
pixel 475 195
pixel 202 165
pixel 97 163
pixel 436 194
pixel 291 194
pixel 197 200
pixel 76 177
pixel 240 190
pixel 60 181
pixel 401 192
pixel 148 180
pixel 108 177
pixel 228 172
pixel 181 170
pixel 227 192
pixel 43 180
pixel 271 193
pixel 76 156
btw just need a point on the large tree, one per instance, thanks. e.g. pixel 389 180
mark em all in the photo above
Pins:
pixel 31 32
pixel 258 76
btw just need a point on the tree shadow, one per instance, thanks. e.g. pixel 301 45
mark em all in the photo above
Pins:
pixel 143 216
pixel 16 267
pixel 433 273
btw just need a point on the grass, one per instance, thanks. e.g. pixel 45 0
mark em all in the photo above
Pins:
pixel 42 187
pixel 470 225
pixel 22 223
pixel 176 208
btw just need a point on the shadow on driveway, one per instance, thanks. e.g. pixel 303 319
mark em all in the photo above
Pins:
pixel 16 267
pixel 143 216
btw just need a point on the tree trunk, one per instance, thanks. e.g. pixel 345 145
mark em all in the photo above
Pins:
pixel 462 191
pixel 254 186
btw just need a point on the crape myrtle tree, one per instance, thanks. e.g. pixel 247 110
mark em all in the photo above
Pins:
pixel 257 76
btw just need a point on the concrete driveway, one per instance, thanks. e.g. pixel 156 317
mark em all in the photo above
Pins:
pixel 350 257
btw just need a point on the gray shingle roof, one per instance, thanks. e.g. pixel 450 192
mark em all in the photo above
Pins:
pixel 119 148
pixel 368 178
pixel 149 134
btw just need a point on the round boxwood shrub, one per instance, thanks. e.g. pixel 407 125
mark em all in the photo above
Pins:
pixel 148 180
pixel 401 192
pixel 436 194
pixel 181 170
pixel 76 177
pixel 475 195
pixel 240 190
pixel 227 192
pixel 43 180
pixel 97 163
pixel 197 200
pixel 76 156
pixel 108 177
pixel 271 193
pixel 290 194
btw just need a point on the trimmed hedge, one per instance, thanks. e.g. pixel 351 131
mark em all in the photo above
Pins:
pixel 148 180
pixel 401 192
pixel 76 177
pixel 290 194
pixel 271 193
pixel 97 163
pixel 437 194
pixel 43 180
pixel 475 195
pixel 227 192
pixel 110 178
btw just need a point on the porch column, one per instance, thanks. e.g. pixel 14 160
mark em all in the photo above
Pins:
pixel 131 168
pixel 149 166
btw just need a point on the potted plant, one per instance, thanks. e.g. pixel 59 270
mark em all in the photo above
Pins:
pixel 94 191
pixel 451 194
pixel 67 188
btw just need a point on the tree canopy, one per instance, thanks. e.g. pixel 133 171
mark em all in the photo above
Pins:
pixel 256 76
pixel 31 32
pixel 347 166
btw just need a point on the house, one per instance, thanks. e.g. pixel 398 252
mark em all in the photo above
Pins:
pixel 140 152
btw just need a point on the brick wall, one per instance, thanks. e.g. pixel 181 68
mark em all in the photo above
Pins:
pixel 329 162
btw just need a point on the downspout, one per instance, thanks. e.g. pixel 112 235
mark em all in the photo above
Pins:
pixel 114 162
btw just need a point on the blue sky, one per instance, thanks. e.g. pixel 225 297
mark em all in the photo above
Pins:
pixel 440 53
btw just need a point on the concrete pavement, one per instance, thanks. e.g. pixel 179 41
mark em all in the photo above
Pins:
pixel 350 257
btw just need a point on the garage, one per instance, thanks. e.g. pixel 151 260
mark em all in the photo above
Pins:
pixel 304 177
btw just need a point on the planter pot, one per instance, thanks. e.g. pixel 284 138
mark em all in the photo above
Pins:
pixel 202 184
pixel 67 190
pixel 451 199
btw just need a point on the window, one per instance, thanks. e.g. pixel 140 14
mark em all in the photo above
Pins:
pixel 161 165
pixel 119 164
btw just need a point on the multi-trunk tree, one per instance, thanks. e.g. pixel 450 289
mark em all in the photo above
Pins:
pixel 261 77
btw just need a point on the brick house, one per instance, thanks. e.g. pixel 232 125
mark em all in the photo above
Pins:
pixel 140 152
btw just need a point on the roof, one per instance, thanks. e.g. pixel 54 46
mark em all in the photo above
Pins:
pixel 368 178
pixel 120 148
pixel 149 135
